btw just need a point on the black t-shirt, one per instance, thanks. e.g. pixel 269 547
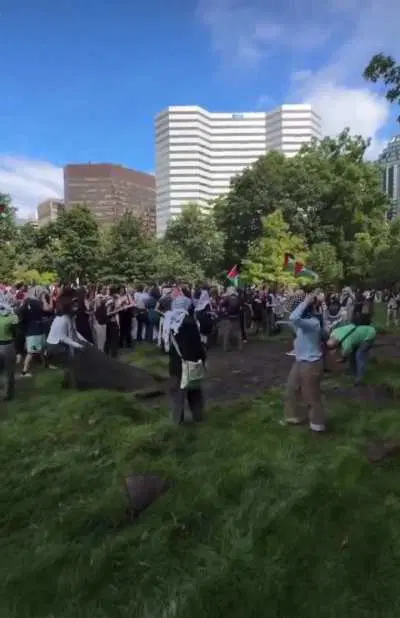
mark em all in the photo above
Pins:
pixel 101 313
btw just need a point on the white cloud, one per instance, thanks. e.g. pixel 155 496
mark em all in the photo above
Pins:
pixel 360 28
pixel 29 182
pixel 363 111
pixel 237 33
pixel 337 90
pixel 244 33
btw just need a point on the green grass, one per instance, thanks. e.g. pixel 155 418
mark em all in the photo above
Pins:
pixel 261 520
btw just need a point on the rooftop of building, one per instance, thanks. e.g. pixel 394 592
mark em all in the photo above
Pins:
pixel 290 107
pixel 391 152
pixel 115 170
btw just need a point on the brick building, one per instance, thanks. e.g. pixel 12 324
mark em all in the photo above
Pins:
pixel 110 190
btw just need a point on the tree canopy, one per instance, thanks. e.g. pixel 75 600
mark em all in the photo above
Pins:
pixel 327 194
pixel 385 69
pixel 198 237
pixel 325 205
pixel 264 262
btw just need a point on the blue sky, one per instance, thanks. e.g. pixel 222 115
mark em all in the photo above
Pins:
pixel 82 81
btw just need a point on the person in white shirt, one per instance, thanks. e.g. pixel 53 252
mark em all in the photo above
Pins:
pixel 63 340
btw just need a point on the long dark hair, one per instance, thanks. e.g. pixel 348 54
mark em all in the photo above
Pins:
pixel 65 303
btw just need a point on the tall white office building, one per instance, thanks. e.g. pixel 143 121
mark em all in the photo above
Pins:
pixel 389 161
pixel 198 152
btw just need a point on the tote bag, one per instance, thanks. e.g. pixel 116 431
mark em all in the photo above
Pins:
pixel 193 372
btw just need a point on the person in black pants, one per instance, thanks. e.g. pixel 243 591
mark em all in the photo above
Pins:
pixel 125 319
pixel 243 309
pixel 185 344
pixel 113 310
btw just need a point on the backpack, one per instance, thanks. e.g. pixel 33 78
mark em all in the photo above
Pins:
pixel 101 314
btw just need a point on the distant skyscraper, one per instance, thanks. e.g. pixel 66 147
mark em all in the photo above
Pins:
pixel 111 190
pixel 390 163
pixel 198 152
pixel 48 211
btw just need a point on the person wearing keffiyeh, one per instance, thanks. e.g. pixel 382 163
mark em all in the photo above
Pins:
pixel 183 336
pixel 203 315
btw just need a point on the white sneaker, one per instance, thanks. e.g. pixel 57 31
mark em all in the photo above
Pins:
pixel 292 353
pixel 27 374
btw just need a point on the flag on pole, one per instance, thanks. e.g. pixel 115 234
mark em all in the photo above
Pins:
pixel 297 268
pixel 233 275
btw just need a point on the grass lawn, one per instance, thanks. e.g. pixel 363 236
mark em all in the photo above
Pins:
pixel 261 520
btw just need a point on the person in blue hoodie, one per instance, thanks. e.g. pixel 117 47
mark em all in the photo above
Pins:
pixel 306 373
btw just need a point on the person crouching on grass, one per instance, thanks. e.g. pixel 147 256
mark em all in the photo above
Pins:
pixel 306 372
pixel 354 341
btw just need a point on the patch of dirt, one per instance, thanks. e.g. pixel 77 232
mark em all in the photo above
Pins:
pixel 262 365
pixel 258 366
pixel 379 395
pixel 387 347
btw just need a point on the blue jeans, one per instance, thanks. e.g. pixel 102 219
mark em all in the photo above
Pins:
pixel 358 360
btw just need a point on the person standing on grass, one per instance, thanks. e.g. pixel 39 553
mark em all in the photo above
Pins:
pixel 8 324
pixel 113 305
pixel 355 341
pixel 203 314
pixel 31 315
pixel 100 318
pixel 125 318
pixel 184 345
pixel 230 319
pixel 83 317
pixel 306 373
pixel 64 340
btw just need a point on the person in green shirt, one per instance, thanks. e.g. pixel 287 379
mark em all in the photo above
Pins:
pixel 355 340
pixel 8 323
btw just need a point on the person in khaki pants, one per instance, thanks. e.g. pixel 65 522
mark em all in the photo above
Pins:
pixel 306 373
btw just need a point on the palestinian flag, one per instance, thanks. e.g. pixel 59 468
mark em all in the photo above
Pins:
pixel 233 275
pixel 291 264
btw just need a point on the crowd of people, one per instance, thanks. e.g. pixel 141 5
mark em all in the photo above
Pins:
pixel 54 324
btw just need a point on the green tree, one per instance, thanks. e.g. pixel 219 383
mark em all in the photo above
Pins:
pixel 255 193
pixel 7 219
pixel 384 257
pixel 34 276
pixel 327 193
pixel 7 236
pixel 198 238
pixel 7 263
pixel 26 249
pixel 79 245
pixel 127 251
pixel 170 263
pixel 324 261
pixel 362 258
pixel 265 260
pixel 385 69
pixel 48 247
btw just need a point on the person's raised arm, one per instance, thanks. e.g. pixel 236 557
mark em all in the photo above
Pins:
pixel 296 317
